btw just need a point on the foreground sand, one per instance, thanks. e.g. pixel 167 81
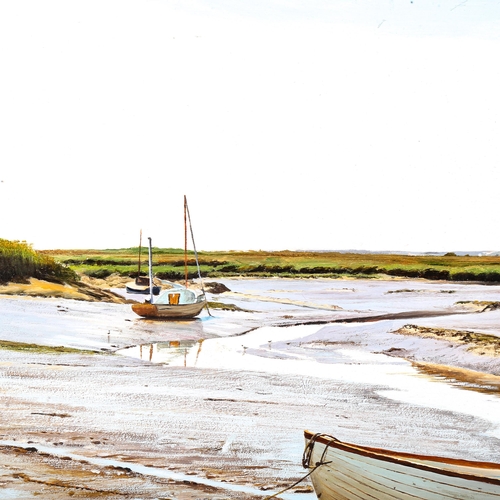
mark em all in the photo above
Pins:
pixel 82 425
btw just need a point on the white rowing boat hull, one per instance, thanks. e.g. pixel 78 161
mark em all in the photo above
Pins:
pixel 352 472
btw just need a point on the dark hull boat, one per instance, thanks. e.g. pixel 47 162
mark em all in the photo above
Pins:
pixel 141 285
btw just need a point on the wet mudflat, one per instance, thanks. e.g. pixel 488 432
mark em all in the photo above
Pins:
pixel 216 407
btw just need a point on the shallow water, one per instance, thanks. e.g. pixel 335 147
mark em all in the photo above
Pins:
pixel 291 351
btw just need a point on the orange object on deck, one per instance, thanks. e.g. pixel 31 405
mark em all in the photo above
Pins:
pixel 173 298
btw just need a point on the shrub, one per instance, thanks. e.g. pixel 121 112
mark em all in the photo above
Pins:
pixel 101 273
pixel 435 274
pixel 18 262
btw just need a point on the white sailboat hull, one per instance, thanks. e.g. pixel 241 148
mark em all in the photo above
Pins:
pixel 352 472
pixel 169 311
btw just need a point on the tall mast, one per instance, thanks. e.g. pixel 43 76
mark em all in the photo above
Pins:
pixel 140 248
pixel 185 241
pixel 186 215
pixel 150 271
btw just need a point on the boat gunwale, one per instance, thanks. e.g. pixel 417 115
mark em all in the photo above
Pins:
pixel 403 459
pixel 190 310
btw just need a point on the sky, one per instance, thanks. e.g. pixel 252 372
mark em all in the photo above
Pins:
pixel 288 124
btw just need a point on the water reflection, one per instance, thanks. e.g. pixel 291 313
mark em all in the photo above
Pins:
pixel 170 352
pixel 227 353
pixel 292 351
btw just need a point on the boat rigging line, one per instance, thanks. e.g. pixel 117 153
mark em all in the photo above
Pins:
pixel 187 218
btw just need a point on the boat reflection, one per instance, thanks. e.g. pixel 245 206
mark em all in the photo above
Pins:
pixel 173 352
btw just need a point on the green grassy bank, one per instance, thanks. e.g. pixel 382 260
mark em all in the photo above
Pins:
pixel 169 264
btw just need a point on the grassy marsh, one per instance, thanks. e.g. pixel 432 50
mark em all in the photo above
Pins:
pixel 168 264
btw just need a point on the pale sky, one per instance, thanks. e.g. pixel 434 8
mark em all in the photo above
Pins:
pixel 288 124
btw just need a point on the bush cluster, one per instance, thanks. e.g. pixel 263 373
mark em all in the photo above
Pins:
pixel 18 262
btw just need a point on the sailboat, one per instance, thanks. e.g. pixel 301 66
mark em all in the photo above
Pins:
pixel 141 283
pixel 178 302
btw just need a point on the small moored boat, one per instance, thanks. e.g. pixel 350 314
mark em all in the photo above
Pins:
pixel 141 283
pixel 344 471
pixel 178 302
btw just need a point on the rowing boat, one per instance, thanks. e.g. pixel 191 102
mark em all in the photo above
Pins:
pixel 345 471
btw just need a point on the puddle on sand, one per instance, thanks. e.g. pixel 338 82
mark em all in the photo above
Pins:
pixel 11 494
pixel 157 472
